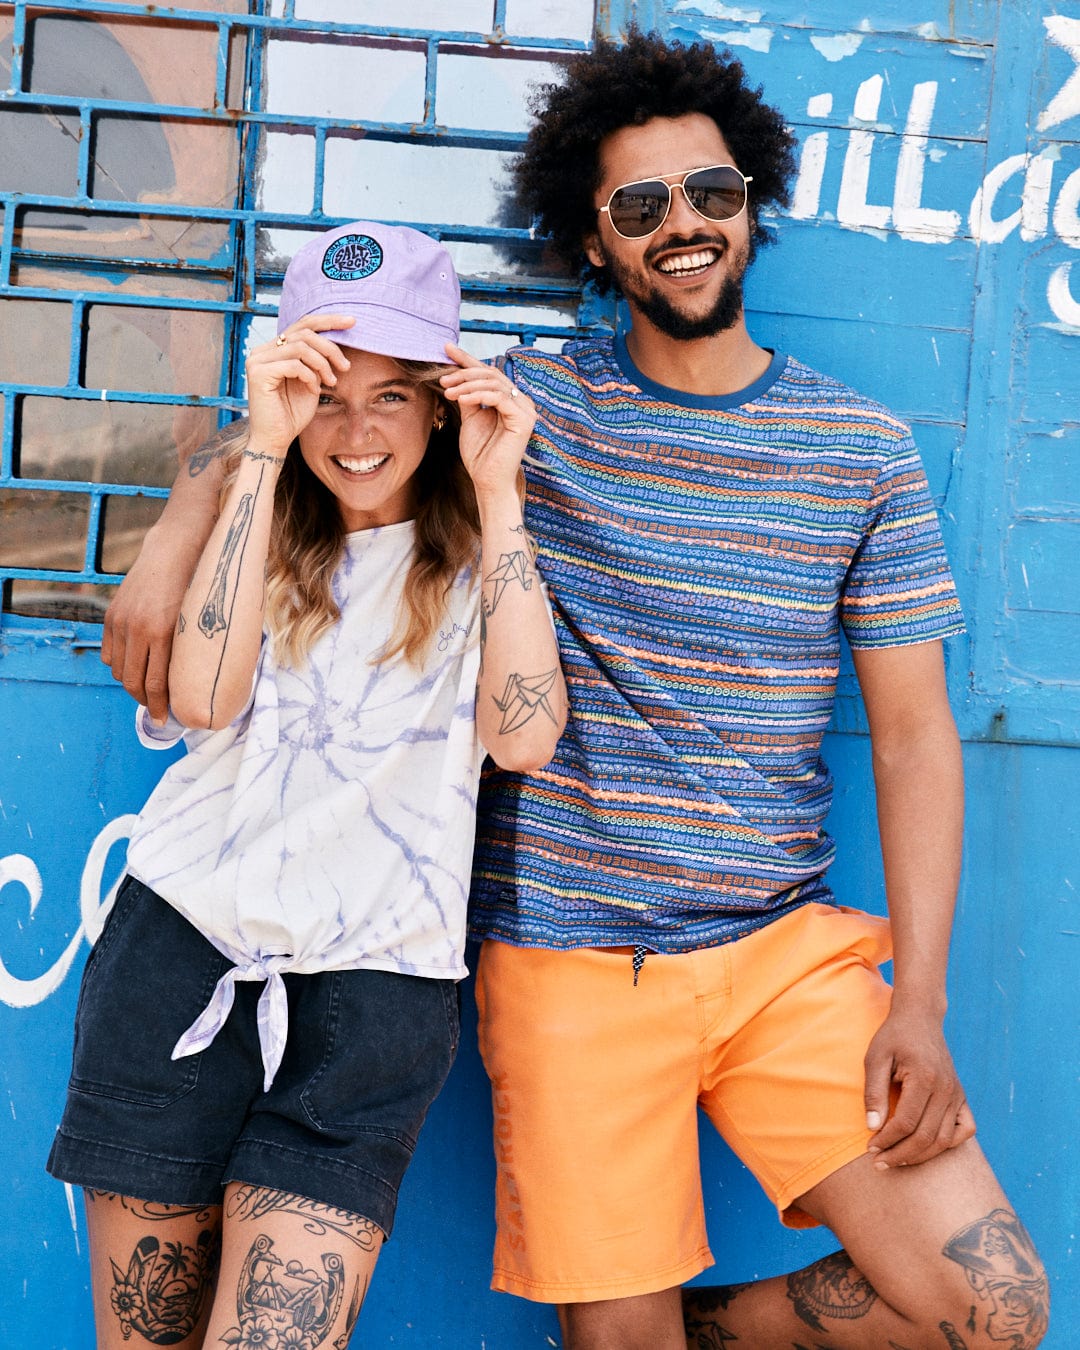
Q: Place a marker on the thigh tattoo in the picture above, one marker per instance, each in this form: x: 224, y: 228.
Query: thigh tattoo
x: 1004, y: 1270
x: 283, y: 1303
x: 255, y: 1202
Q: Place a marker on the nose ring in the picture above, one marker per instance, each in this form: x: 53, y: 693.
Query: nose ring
x: 370, y: 437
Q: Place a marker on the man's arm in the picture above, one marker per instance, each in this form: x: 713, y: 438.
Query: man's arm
x: 918, y: 776
x: 140, y: 622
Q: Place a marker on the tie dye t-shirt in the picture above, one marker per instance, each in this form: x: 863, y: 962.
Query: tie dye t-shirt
x: 702, y: 556
x: 330, y: 826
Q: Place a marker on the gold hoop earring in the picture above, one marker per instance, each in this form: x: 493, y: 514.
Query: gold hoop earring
x: 439, y: 422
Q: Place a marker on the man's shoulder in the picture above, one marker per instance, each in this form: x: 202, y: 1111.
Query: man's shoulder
x: 821, y: 396
x: 578, y: 360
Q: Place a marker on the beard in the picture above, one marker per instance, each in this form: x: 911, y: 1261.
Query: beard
x: 724, y: 313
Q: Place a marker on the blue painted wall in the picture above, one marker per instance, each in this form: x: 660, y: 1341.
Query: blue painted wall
x: 927, y: 258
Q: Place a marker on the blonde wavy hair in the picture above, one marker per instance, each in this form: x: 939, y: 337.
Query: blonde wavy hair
x: 308, y: 539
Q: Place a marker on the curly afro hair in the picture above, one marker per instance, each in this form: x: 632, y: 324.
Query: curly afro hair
x: 614, y: 86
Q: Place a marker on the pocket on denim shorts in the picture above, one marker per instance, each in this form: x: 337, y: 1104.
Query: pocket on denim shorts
x: 147, y: 978
x: 390, y: 1042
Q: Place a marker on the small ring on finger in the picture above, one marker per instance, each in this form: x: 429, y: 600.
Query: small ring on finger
x: 280, y: 339
x: 513, y: 391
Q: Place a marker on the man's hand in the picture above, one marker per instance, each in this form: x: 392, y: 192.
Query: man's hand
x: 911, y: 1086
x: 136, y: 641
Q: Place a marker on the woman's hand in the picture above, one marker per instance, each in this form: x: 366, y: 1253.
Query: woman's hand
x: 496, y: 422
x: 285, y: 377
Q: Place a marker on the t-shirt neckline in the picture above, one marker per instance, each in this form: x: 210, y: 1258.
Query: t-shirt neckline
x: 717, y: 402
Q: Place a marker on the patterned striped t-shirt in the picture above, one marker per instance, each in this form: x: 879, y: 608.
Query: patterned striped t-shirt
x: 702, y: 555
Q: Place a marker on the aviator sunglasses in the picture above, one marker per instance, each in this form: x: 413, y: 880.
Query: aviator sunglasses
x: 637, y: 210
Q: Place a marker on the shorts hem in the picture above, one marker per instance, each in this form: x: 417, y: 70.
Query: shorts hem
x: 625, y: 1286
x: 94, y: 1165
x: 839, y: 1156
x: 331, y: 1181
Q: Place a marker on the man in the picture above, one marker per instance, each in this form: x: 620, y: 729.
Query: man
x: 658, y: 931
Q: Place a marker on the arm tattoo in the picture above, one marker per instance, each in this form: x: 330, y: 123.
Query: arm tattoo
x: 212, y: 616
x: 217, y: 447
x: 523, y: 695
x: 1003, y: 1268
x: 513, y: 569
x: 831, y: 1287
x: 163, y: 1289
x: 281, y: 1302
x: 253, y: 1202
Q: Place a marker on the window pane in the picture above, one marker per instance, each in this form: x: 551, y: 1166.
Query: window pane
x: 35, y: 341
x: 354, y: 79
x: 142, y: 159
x: 84, y: 440
x: 39, y: 152
x: 43, y: 529
x: 134, y: 238
x: 124, y: 522
x: 175, y: 285
x: 91, y: 58
x: 81, y: 601
x: 160, y: 351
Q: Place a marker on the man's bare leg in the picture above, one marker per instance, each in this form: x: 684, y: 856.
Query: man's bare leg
x: 653, y: 1320
x: 934, y: 1259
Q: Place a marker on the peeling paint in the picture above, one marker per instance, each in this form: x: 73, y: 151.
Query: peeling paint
x: 837, y: 47
x: 756, y: 39
x: 717, y: 10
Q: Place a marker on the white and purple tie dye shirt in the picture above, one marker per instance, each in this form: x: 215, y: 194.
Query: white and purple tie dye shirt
x: 330, y: 826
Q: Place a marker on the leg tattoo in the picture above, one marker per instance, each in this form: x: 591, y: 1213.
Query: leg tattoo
x: 165, y: 1287
x: 253, y: 1202
x: 831, y: 1287
x: 1006, y: 1274
x: 703, y: 1330
x: 282, y: 1303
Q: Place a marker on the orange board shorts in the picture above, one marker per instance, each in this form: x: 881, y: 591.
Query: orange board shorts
x: 596, y: 1084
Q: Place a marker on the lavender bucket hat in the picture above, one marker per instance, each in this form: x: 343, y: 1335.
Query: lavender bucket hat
x: 398, y: 284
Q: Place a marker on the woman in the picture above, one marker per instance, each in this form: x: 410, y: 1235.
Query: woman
x: 272, y: 1005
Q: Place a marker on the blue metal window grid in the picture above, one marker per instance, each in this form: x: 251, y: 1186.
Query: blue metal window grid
x: 236, y: 262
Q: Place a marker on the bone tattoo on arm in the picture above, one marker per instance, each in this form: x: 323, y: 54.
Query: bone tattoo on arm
x: 212, y: 617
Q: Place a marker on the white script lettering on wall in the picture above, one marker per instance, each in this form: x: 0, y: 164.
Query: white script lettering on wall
x: 19, y: 870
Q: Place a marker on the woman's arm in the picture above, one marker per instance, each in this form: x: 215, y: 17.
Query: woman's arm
x: 520, y: 691
x: 219, y: 629
x: 136, y: 641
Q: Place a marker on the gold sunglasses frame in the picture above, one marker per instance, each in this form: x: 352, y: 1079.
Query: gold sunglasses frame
x: 681, y: 185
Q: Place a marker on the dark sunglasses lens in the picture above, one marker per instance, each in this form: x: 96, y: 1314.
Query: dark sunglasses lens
x: 638, y: 209
x: 718, y: 194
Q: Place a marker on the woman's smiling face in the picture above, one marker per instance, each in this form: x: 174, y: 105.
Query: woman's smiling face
x: 367, y: 439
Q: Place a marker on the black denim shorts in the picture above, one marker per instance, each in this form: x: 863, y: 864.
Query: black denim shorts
x: 367, y: 1052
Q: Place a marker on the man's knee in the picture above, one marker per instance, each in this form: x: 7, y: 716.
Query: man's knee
x: 1004, y: 1297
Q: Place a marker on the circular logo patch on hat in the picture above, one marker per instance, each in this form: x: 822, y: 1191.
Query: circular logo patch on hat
x: 352, y: 257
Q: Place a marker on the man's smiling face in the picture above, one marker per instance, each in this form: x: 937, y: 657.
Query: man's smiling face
x: 686, y: 279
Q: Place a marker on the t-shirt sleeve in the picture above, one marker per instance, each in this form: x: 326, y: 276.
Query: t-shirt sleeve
x: 899, y: 588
